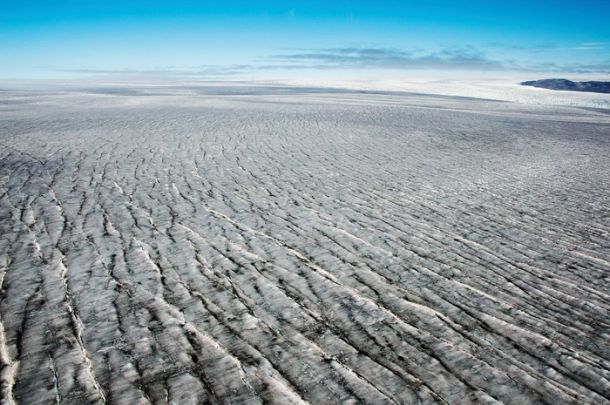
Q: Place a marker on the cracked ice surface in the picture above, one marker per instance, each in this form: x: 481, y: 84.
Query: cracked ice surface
x: 283, y: 245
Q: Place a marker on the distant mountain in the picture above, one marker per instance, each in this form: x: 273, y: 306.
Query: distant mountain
x: 565, y: 84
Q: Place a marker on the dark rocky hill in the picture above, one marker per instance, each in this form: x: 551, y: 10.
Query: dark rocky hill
x: 565, y: 84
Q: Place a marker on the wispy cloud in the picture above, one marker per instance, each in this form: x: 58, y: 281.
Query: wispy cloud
x: 389, y: 58
x: 463, y: 58
x: 167, y: 71
x: 458, y: 58
x: 552, y: 67
x: 590, y: 46
x: 547, y: 46
x: 540, y: 46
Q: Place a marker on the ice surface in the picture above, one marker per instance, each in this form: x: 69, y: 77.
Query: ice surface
x: 492, y: 88
x: 248, y: 244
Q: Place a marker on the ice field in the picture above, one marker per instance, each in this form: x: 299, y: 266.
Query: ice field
x: 253, y: 244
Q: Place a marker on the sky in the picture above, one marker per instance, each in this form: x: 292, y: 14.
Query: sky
x: 202, y: 39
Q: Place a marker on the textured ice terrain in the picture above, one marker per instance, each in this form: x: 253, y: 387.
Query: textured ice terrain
x: 280, y: 245
x: 493, y: 88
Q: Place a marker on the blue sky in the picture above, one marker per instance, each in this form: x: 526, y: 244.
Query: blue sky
x: 70, y: 38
